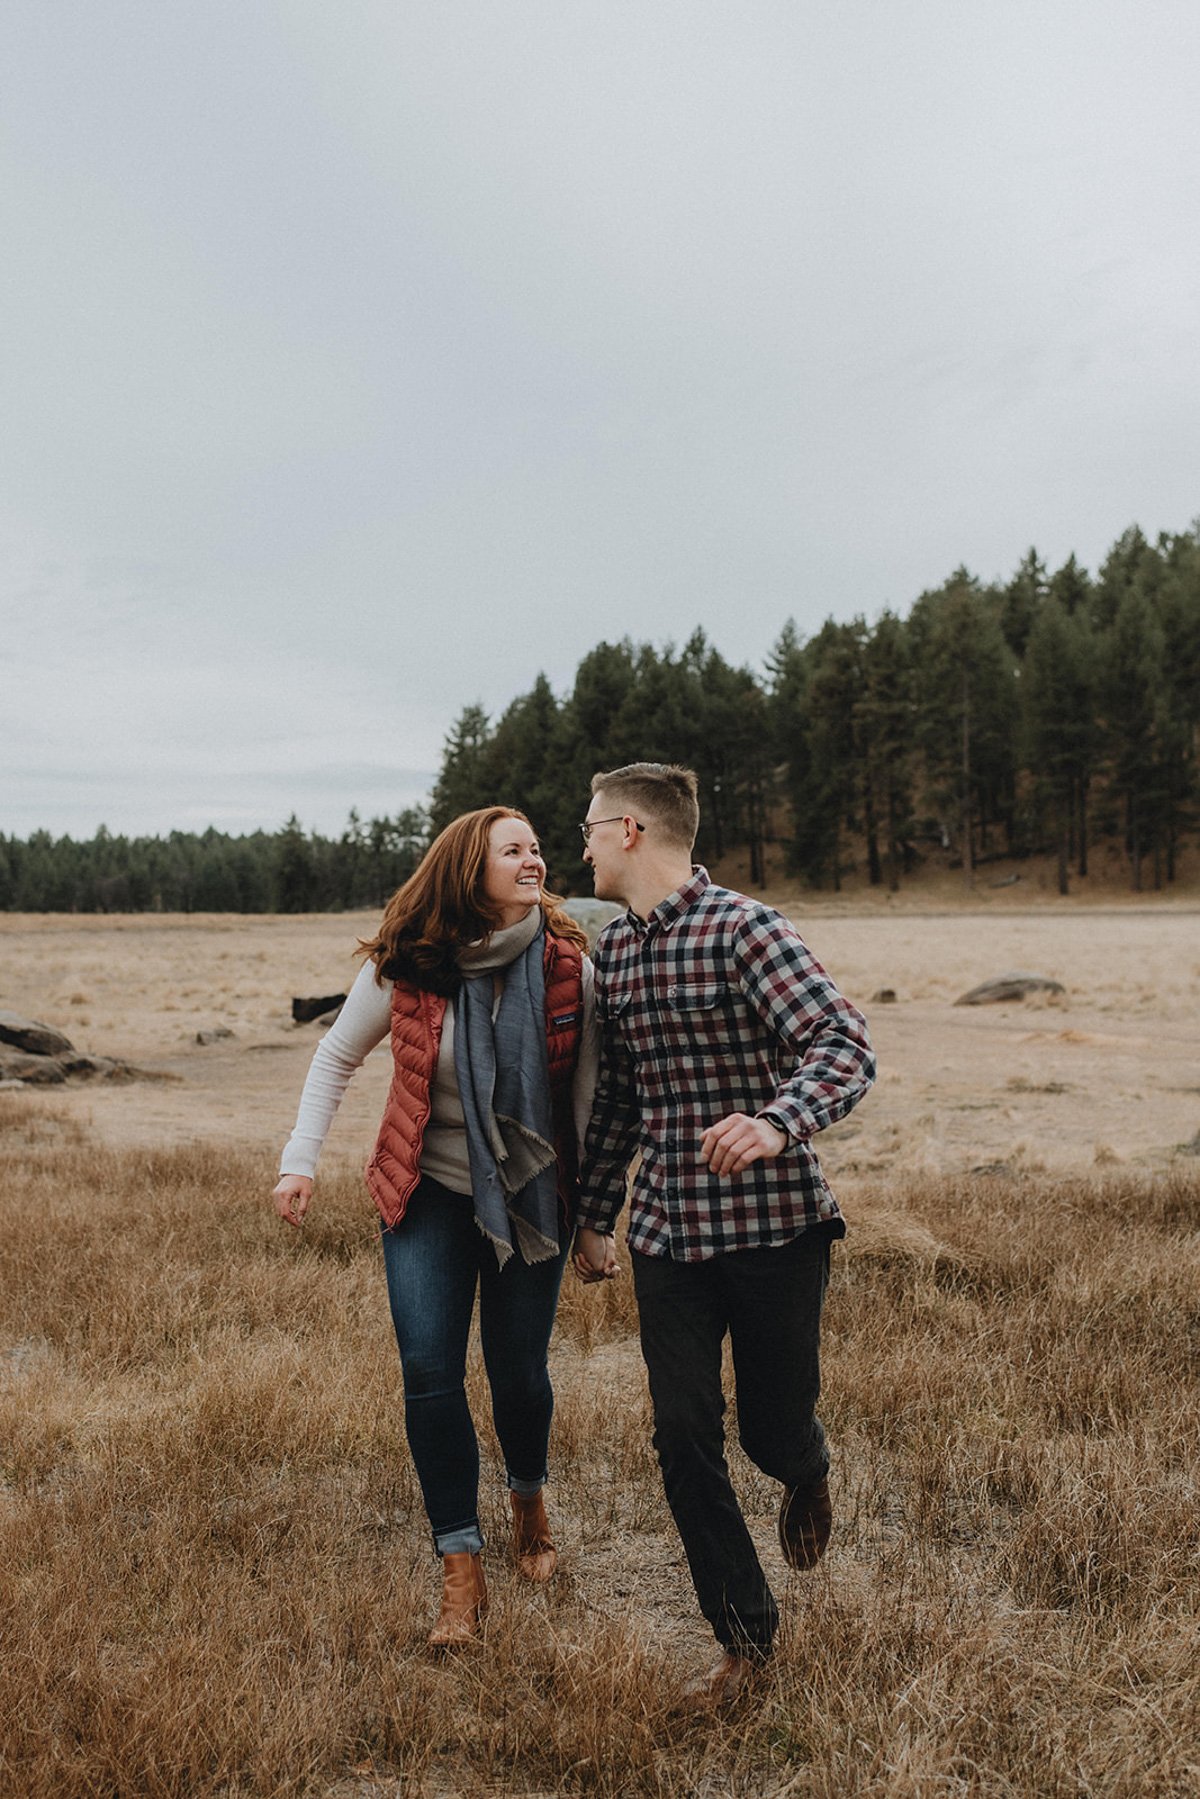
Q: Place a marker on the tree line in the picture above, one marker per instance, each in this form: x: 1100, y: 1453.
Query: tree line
x: 1039, y: 715
x: 289, y: 870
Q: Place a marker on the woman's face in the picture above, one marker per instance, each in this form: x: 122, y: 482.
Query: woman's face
x: 514, y: 870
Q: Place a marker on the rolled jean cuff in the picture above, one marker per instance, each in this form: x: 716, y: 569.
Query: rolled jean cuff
x: 525, y: 1488
x: 466, y: 1540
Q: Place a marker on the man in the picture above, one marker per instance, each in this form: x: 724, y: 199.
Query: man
x: 726, y: 1047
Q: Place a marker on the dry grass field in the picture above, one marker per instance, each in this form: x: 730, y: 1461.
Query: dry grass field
x: 214, y: 1578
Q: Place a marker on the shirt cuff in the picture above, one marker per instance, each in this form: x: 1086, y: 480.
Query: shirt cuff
x: 598, y: 1218
x: 300, y: 1156
x: 788, y: 1118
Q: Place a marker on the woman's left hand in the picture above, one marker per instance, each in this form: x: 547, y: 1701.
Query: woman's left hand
x: 292, y: 1197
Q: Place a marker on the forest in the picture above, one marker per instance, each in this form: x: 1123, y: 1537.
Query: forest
x: 1046, y: 715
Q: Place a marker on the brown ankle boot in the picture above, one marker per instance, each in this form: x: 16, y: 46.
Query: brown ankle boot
x: 726, y: 1681
x: 805, y: 1524
x: 533, y: 1546
x: 464, y: 1601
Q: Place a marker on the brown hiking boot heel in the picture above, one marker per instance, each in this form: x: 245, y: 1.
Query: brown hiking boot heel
x: 727, y: 1681
x: 464, y: 1602
x: 805, y: 1524
x: 533, y: 1546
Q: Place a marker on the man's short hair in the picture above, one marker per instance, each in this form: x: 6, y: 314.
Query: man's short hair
x: 662, y: 792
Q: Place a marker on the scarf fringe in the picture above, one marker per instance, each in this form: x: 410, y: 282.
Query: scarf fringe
x: 534, y: 1247
x: 539, y: 1154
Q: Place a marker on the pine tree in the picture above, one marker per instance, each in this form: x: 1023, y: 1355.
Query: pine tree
x: 833, y: 660
x: 1058, y: 721
x: 967, y: 707
x: 1178, y: 613
x: 1021, y: 601
x: 461, y: 785
x: 1133, y: 692
x: 296, y: 875
x: 884, y: 715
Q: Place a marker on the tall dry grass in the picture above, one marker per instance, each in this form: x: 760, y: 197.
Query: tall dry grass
x: 215, y: 1580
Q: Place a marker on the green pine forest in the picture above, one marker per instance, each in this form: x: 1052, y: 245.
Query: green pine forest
x: 1053, y: 715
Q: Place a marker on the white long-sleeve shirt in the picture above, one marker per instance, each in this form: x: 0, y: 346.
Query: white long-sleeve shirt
x: 362, y: 1024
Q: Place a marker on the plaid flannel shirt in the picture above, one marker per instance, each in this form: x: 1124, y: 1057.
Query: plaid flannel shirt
x: 714, y: 1005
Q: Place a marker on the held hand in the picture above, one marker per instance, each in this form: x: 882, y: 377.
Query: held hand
x: 595, y: 1256
x: 292, y: 1197
x: 738, y: 1140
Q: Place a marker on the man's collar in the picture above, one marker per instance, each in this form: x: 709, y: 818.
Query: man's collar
x: 668, y: 910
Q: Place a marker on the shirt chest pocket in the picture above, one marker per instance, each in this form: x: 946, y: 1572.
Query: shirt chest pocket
x: 612, y: 1007
x: 701, y: 1016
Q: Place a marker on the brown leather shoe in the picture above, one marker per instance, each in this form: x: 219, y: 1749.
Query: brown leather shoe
x: 533, y: 1546
x: 723, y: 1683
x: 805, y: 1524
x: 464, y: 1602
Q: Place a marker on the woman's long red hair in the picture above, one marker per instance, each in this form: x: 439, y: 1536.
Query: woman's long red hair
x: 442, y: 906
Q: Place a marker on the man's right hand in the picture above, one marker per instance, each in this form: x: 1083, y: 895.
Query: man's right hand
x: 292, y: 1197
x: 595, y: 1256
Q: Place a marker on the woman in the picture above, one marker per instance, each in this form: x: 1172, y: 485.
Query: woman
x: 483, y: 983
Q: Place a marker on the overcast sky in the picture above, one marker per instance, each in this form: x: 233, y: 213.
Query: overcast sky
x: 361, y: 360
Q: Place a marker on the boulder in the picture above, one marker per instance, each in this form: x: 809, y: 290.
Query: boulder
x: 34, y: 1038
x: 307, y: 1011
x: 116, y: 1070
x: 592, y: 914
x: 1008, y: 987
x: 88, y: 1068
x: 19, y: 1069
x: 38, y: 1071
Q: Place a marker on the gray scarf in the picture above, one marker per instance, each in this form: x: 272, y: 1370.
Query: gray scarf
x: 504, y: 1083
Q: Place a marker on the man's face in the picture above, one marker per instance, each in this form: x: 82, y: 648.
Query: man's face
x: 602, y: 851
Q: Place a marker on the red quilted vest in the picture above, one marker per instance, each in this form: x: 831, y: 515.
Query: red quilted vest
x: 395, y: 1165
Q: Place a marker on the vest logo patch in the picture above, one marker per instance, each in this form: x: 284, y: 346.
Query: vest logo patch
x: 564, y: 1018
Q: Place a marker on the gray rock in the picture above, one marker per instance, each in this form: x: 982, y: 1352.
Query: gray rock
x: 127, y: 1071
x: 593, y: 914
x: 884, y: 996
x: 220, y: 1033
x: 308, y: 1011
x: 37, y: 1071
x: 1008, y: 987
x: 34, y: 1038
x: 17, y: 1069
x: 89, y: 1068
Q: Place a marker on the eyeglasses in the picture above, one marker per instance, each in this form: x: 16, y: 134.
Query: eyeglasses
x: 591, y: 824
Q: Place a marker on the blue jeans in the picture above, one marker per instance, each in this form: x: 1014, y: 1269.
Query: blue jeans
x: 769, y: 1303
x: 435, y: 1257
